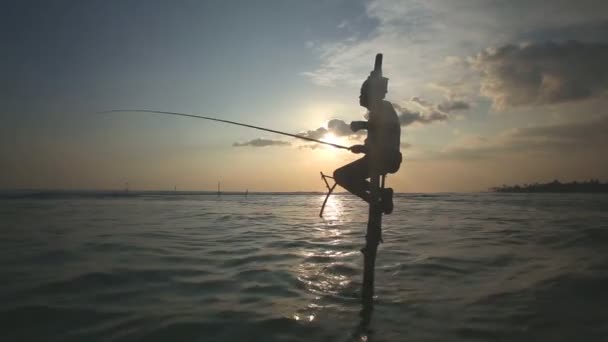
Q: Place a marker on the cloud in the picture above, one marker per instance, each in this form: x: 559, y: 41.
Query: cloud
x: 589, y: 136
x: 336, y: 127
x: 423, y: 43
x: 444, y: 107
x: 590, y: 133
x: 261, y: 142
x: 314, y: 134
x: 427, y: 116
x: 542, y: 73
x: 339, y: 128
x: 408, y: 117
x: 421, y: 102
x: 426, y: 113
x: 453, y: 105
x: 312, y: 146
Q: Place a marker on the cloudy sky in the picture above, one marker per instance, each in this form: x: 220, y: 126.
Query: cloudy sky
x: 488, y: 92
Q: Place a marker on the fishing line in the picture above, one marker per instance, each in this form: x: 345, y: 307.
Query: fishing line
x: 225, y: 121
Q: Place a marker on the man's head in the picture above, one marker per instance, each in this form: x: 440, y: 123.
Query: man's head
x: 373, y: 90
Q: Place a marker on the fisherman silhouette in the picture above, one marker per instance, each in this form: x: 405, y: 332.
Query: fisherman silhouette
x: 381, y: 147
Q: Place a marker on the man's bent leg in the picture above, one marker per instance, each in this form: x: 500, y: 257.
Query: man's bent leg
x: 352, y: 178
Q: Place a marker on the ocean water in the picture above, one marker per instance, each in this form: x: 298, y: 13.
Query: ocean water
x: 195, y: 267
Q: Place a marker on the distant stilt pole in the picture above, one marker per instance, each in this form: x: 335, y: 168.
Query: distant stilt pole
x: 218, y: 189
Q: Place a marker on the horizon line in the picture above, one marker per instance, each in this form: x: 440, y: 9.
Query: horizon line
x: 212, y: 192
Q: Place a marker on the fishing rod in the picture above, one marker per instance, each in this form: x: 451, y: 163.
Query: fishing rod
x: 225, y: 121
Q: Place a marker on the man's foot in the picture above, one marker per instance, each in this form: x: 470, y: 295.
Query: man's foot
x: 387, y: 200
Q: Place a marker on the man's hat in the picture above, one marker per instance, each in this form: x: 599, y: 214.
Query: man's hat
x: 375, y: 86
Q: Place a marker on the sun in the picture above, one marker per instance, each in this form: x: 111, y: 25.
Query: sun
x: 331, y: 138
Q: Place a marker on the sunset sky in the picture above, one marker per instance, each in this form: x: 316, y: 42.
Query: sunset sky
x: 488, y: 92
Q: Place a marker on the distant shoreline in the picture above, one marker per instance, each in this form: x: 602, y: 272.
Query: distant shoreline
x: 591, y: 186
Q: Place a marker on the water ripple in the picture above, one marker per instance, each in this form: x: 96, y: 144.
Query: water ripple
x: 158, y: 267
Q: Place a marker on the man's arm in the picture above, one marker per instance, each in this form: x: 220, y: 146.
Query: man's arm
x: 355, y: 126
x: 358, y: 149
x: 358, y: 125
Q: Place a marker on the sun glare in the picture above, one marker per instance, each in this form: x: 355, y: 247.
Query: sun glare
x: 331, y: 138
x: 330, y: 152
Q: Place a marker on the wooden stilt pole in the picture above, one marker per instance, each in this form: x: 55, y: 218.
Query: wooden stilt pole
x: 377, y: 86
x: 372, y: 239
x: 373, y: 88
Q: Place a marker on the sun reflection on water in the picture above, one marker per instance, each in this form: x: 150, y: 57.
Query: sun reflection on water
x: 334, y: 209
x: 326, y: 270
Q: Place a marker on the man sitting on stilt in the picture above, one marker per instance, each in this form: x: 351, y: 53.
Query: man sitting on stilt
x: 381, y: 148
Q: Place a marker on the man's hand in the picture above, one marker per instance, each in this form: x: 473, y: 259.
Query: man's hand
x: 358, y: 149
x: 357, y: 125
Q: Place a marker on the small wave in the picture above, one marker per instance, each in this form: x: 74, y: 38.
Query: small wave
x: 273, y: 290
x: 581, y: 237
x: 246, y: 328
x: 557, y: 306
x: 343, y: 269
x: 258, y: 258
x: 49, y: 321
x: 117, y: 279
